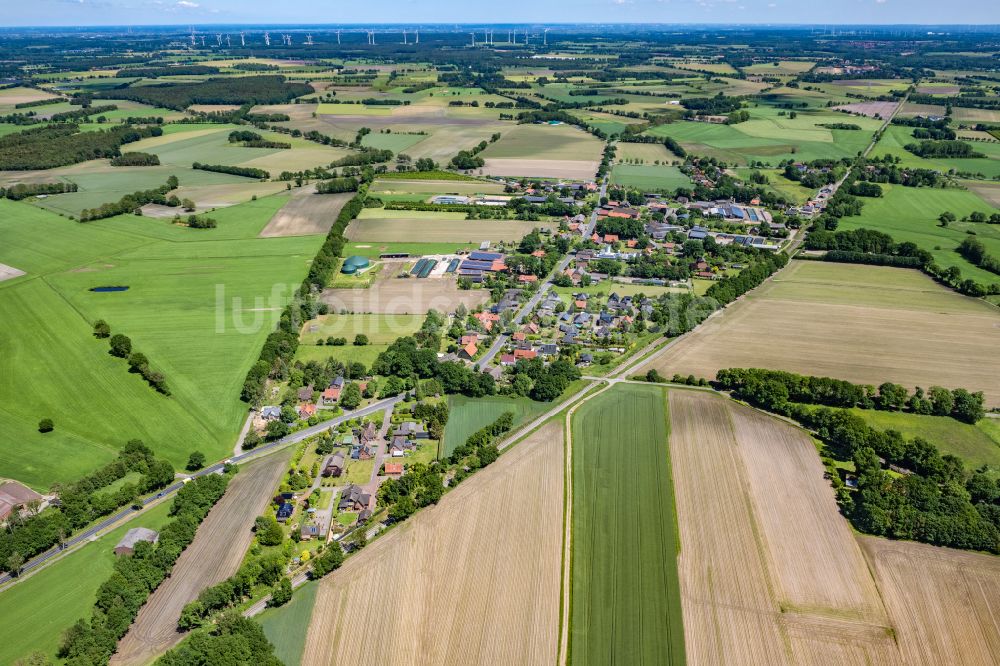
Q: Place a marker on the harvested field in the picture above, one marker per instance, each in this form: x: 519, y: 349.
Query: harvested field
x: 866, y: 324
x: 769, y: 571
x: 9, y: 272
x: 391, y: 295
x: 870, y: 109
x: 972, y: 115
x: 568, y: 169
x: 306, y: 213
x: 12, y: 96
x: 424, y: 230
x: 214, y: 555
x: 990, y: 192
x: 474, y: 580
x: 938, y: 90
x: 944, y: 603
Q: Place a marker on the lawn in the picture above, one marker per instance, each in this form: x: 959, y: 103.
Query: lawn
x: 649, y: 177
x: 198, y: 310
x: 910, y: 214
x: 467, y: 415
x: 286, y: 627
x: 976, y: 445
x: 36, y: 611
x: 625, y: 596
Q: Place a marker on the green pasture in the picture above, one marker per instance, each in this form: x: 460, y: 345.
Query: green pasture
x: 381, y: 329
x: 649, y: 177
x: 550, y: 142
x: 467, y: 415
x: 625, y: 596
x: 910, y: 214
x: 286, y: 626
x: 897, y: 136
x: 37, y: 611
x: 199, y: 310
x: 396, y: 142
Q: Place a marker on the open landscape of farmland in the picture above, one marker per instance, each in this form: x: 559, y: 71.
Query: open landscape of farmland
x: 406, y: 598
x: 625, y: 603
x: 895, y: 139
x: 406, y: 226
x: 392, y: 295
x: 769, y: 571
x: 860, y: 323
x: 542, y: 150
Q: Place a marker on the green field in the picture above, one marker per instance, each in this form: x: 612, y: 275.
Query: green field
x: 649, y: 177
x: 625, y: 597
x: 910, y: 214
x: 373, y: 249
x: 286, y: 627
x: 771, y: 137
x: 897, y: 136
x: 468, y: 415
x: 976, y: 445
x: 35, y: 612
x: 198, y: 308
x: 550, y: 142
x: 396, y: 142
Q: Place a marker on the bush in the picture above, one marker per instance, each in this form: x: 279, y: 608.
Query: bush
x: 101, y: 329
x: 46, y: 425
x: 195, y: 461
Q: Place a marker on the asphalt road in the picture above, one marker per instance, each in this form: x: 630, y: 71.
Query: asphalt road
x: 262, y: 450
x: 502, y: 339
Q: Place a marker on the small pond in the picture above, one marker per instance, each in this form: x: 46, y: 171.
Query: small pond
x: 103, y: 289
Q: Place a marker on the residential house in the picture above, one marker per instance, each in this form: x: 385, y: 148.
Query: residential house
x: 134, y: 536
x: 392, y: 469
x: 507, y: 359
x: 331, y: 395
x: 367, y: 433
x: 468, y: 352
x: 307, y: 410
x: 355, y: 498
x: 305, y: 393
x: 334, y: 465
x: 525, y: 354
x: 270, y: 413
x: 309, y: 531
x: 362, y: 452
x: 285, y: 511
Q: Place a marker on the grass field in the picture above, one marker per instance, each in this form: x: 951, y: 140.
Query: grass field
x: 286, y: 626
x: 199, y: 310
x: 36, y: 611
x: 471, y: 581
x: 396, y: 141
x: 551, y: 142
x: 770, y: 137
x: 758, y: 586
x: 467, y: 415
x: 896, y: 137
x: 910, y: 214
x: 649, y: 177
x: 976, y: 444
x: 381, y: 330
x: 860, y: 323
x: 625, y: 600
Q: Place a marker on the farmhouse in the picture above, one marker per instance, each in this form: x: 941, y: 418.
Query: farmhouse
x: 127, y: 545
x: 15, y: 497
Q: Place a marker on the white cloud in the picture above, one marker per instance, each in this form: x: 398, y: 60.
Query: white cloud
x: 187, y: 4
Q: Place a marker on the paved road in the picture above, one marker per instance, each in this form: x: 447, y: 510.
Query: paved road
x: 265, y: 449
x: 526, y: 309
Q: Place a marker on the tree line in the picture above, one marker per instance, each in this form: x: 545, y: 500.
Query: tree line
x: 25, y: 190
x: 60, y: 144
x: 133, y: 203
x: 135, y: 577
x: 266, y: 89
x: 246, y: 172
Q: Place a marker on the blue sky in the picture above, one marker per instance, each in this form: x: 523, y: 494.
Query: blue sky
x: 138, y: 12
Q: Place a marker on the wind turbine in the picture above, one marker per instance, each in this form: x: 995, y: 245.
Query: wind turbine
x: 309, y: 40
x: 203, y: 41
x: 218, y: 39
x: 473, y: 38
x: 267, y: 39
x: 243, y: 39
x: 229, y: 42
x: 404, y: 36
x: 338, y: 37
x: 545, y: 37
x: 192, y: 36
x: 417, y: 36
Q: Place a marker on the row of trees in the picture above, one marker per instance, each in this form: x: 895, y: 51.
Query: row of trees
x: 268, y: 89
x: 136, y: 577
x: 121, y: 346
x: 246, y: 172
x: 775, y: 389
x: 136, y: 159
x: 82, y: 502
x: 133, y: 203
x: 25, y: 190
x: 976, y: 253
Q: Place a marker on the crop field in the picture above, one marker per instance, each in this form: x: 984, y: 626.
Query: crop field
x: 866, y: 324
x: 770, y: 137
x: 306, y: 213
x: 911, y: 214
x: 415, y: 250
x: 468, y: 415
x: 896, y: 137
x: 988, y: 192
x: 970, y: 115
x: 425, y: 189
x: 404, y: 600
x: 780, y: 68
x: 17, y: 95
x: 216, y: 552
x: 36, y: 611
x: 224, y: 297
x: 286, y: 626
x: 625, y: 600
x: 397, y: 142
x: 392, y: 295
x: 942, y: 602
x: 756, y: 587
x: 871, y: 109
x: 547, y: 151
x: 649, y: 177
x: 435, y: 228
x: 977, y: 445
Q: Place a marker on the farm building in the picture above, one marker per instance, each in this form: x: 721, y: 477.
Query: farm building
x: 354, y: 264
x: 127, y: 545
x: 15, y: 496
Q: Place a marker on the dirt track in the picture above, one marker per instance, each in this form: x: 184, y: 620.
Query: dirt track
x: 214, y: 555
x: 306, y: 213
x: 474, y: 580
